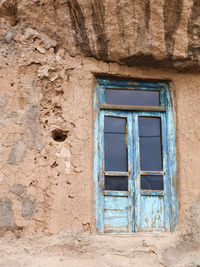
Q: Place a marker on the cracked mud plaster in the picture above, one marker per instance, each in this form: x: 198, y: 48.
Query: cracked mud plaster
x: 60, y: 175
x: 54, y: 90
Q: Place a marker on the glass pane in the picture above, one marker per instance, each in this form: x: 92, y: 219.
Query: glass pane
x: 132, y: 97
x: 115, y: 144
x: 116, y: 183
x: 115, y: 124
x: 152, y: 182
x: 150, y: 144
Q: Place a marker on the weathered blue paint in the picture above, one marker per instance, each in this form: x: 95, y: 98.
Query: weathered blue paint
x: 172, y: 166
x: 116, y: 193
x: 166, y: 176
x: 135, y: 210
x: 129, y: 83
x: 116, y: 213
x: 152, y: 193
x: 152, y: 213
x: 96, y: 152
x: 115, y: 203
x: 115, y: 224
x: 112, y: 173
x: 131, y: 186
x: 136, y: 166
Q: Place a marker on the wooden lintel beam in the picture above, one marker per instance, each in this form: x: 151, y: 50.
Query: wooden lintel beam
x: 132, y: 107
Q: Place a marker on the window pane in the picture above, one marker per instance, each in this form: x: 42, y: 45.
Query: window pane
x: 116, y: 183
x: 132, y: 97
x: 152, y: 182
x: 115, y: 144
x: 114, y: 124
x: 150, y: 144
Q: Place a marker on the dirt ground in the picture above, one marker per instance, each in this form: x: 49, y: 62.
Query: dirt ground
x: 83, y: 249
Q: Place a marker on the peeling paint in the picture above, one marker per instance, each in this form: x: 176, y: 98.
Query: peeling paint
x: 150, y: 209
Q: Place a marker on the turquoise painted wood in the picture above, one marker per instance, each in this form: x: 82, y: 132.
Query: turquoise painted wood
x: 152, y: 213
x: 135, y: 210
x: 115, y: 203
x: 116, y: 225
x: 115, y: 214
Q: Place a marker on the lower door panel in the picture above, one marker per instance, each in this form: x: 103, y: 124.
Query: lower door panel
x: 151, y: 215
x: 115, y: 214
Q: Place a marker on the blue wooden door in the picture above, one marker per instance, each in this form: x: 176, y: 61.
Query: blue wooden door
x: 135, y: 157
x: 132, y: 176
x: 152, y: 203
x: 116, y: 185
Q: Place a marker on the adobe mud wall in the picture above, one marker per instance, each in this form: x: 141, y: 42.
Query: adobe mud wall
x: 49, y: 53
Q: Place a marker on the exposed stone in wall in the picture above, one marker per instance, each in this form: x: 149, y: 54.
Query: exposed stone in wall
x: 17, y: 189
x: 193, y: 218
x: 6, y: 215
x: 29, y: 208
x: 17, y: 153
x: 33, y: 132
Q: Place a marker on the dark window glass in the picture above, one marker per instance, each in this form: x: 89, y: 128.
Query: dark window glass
x: 116, y: 183
x: 152, y: 182
x: 132, y: 97
x: 150, y: 144
x: 115, y: 144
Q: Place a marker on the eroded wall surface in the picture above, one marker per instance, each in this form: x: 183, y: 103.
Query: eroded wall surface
x: 49, y: 52
x: 159, y: 33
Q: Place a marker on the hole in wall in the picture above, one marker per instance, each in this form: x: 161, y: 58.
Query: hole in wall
x: 59, y: 135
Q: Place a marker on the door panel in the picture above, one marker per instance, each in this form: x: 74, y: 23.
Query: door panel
x: 142, y: 150
x: 152, y: 213
x: 115, y: 214
x: 115, y: 172
x: 151, y: 176
x: 115, y: 225
x: 115, y: 203
x: 132, y: 192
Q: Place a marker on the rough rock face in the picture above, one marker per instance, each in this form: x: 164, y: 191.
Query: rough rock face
x: 156, y: 33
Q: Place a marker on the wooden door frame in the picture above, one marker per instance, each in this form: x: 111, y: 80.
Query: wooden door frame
x: 171, y: 166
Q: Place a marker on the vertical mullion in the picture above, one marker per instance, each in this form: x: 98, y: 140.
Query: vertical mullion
x: 163, y: 97
x: 136, y: 167
x: 131, y: 187
x: 102, y: 95
x: 100, y: 173
x: 166, y: 175
x: 172, y: 165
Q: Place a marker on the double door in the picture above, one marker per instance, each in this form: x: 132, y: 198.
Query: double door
x: 133, y: 182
